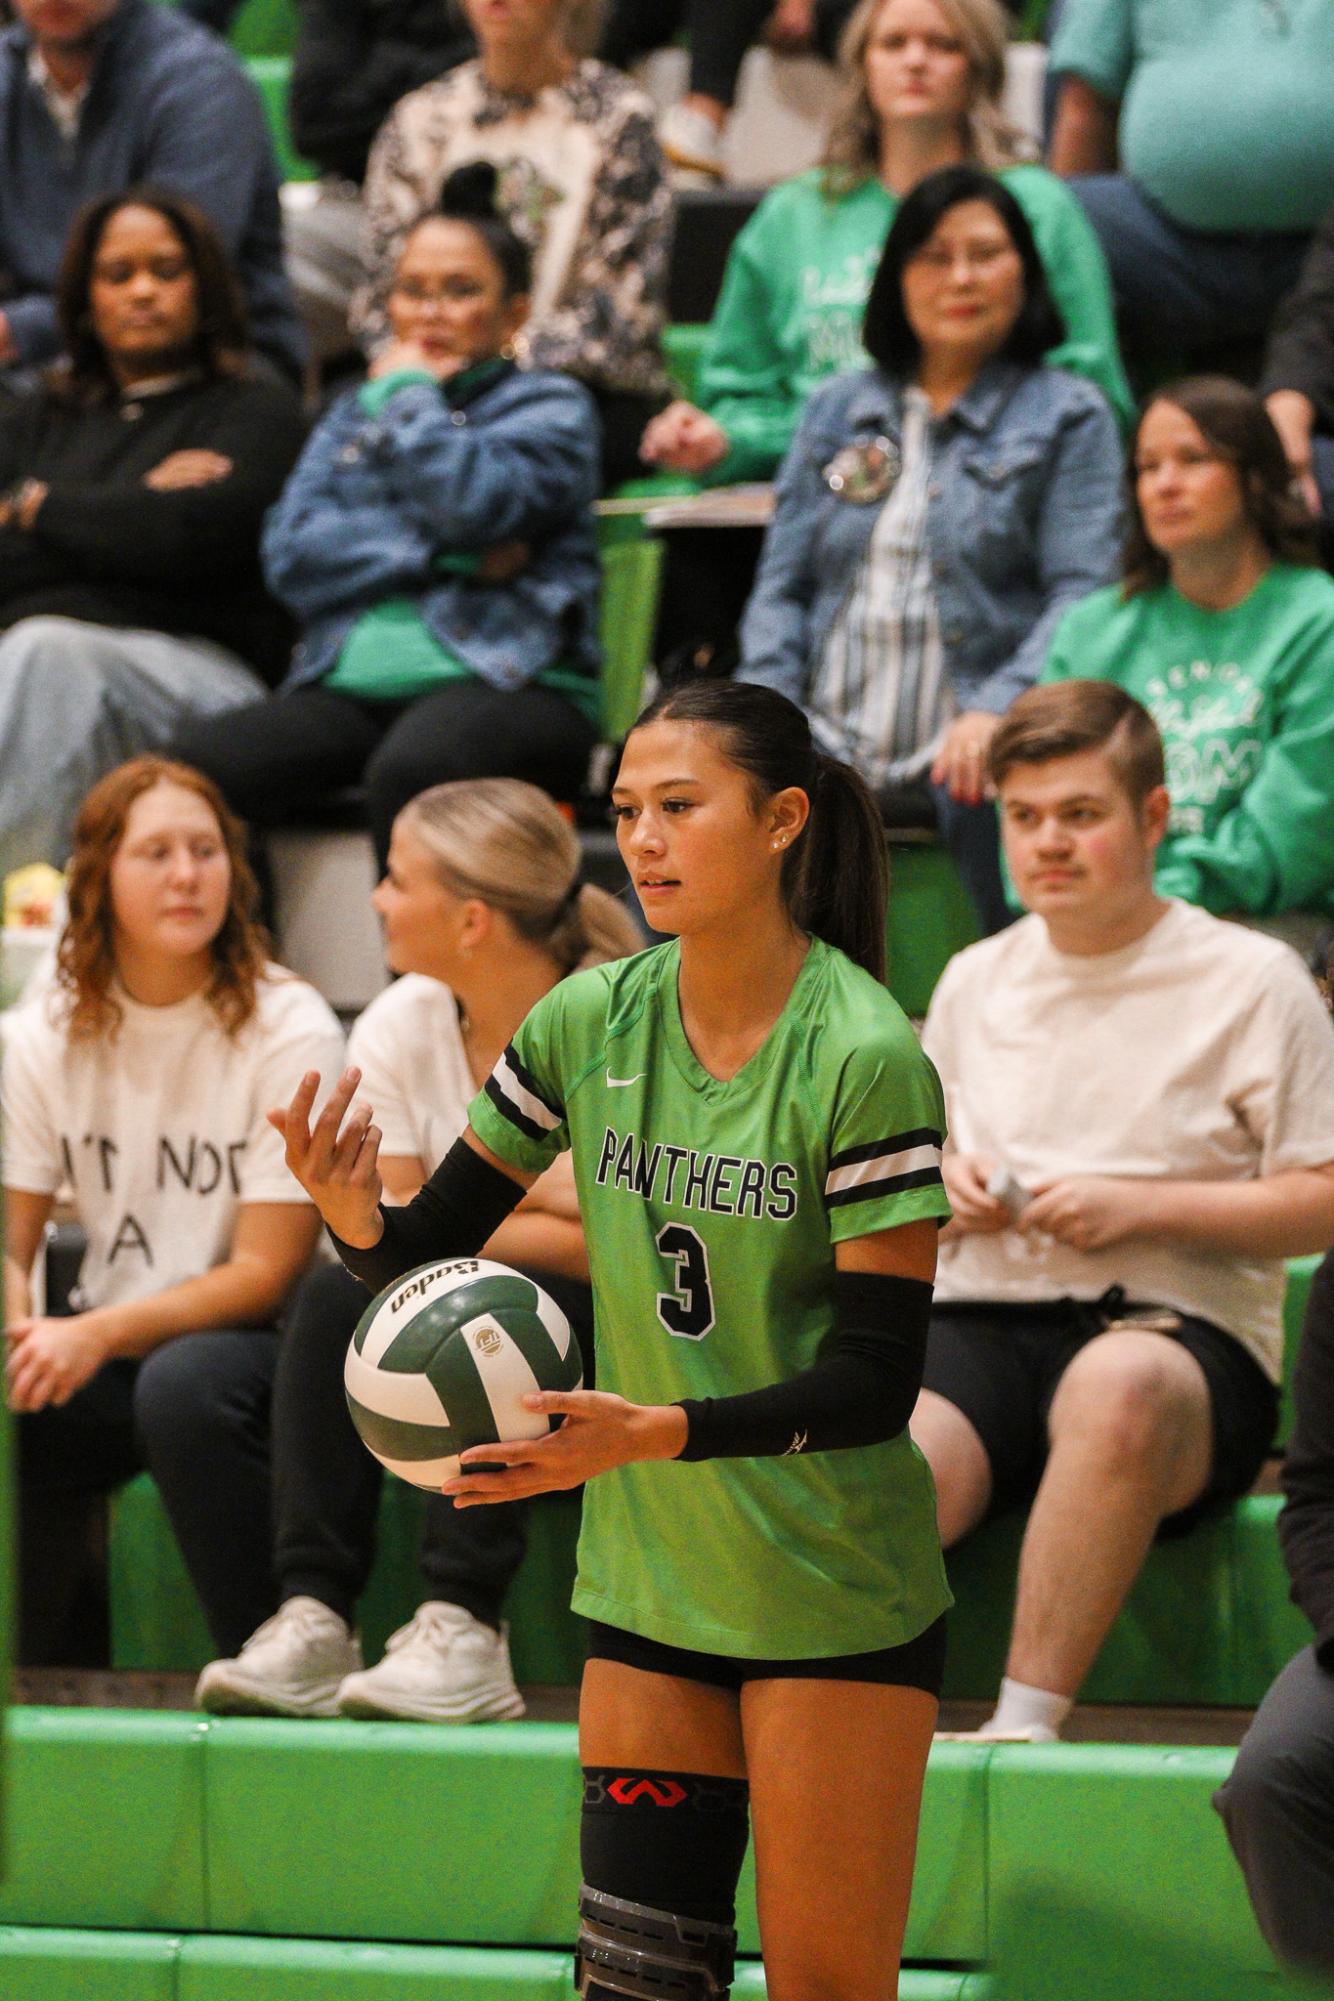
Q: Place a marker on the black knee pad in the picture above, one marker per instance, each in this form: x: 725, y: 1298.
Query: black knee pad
x: 672, y: 1840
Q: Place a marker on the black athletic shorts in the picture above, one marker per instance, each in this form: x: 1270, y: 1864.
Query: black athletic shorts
x: 1001, y: 1364
x: 919, y: 1663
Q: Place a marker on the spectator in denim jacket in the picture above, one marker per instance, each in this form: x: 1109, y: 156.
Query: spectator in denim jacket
x: 935, y: 516
x: 436, y: 543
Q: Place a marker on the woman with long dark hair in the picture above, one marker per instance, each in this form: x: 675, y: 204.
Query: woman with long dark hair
x: 140, y: 1078
x: 1223, y: 626
x: 936, y: 514
x: 132, y: 488
x: 756, y: 1142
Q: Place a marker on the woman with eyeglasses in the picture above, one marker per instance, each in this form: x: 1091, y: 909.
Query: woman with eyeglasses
x: 936, y: 515
x: 436, y: 544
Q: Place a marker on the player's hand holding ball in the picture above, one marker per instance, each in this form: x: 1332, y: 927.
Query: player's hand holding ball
x: 598, y: 1431
x: 337, y: 1159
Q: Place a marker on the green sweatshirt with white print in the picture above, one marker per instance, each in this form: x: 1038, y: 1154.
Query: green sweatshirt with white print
x: 794, y: 295
x: 1244, y: 699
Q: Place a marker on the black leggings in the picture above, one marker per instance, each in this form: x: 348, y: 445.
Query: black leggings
x: 275, y: 757
x: 196, y: 1413
x: 326, y: 1485
x: 720, y: 32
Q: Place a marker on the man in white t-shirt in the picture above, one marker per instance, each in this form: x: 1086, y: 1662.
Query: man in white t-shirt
x: 1141, y: 1109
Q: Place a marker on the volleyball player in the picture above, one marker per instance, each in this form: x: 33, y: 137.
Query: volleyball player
x: 756, y: 1140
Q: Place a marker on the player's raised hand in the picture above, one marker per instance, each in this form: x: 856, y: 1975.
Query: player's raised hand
x: 336, y: 1160
x: 600, y: 1431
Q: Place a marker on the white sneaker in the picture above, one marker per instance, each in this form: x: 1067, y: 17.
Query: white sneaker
x: 444, y: 1666
x: 1028, y: 1733
x: 693, y: 146
x: 292, y: 1665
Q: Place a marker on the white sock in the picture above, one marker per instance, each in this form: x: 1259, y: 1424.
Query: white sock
x: 1037, y: 1711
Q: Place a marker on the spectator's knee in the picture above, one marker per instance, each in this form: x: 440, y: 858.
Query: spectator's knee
x: 1266, y: 1788
x: 177, y: 1405
x: 44, y: 645
x: 1131, y: 1398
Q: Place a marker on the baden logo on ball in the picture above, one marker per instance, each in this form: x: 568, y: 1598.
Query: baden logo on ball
x: 442, y: 1358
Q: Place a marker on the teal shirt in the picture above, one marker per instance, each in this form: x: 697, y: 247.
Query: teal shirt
x: 1225, y: 104
x: 712, y: 1210
x: 794, y: 296
x: 1244, y: 699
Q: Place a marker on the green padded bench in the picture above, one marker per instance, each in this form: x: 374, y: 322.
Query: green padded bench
x: 156, y: 1621
x: 101, y: 1966
x: 1243, y: 1628
x: 268, y: 1828
x: 1209, y: 1621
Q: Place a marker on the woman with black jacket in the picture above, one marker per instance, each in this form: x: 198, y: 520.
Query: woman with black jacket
x: 133, y: 485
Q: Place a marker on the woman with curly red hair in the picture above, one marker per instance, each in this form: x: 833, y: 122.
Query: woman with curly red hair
x: 138, y: 1079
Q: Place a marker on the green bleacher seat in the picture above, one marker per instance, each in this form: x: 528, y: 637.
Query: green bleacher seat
x: 264, y: 28
x: 62, y: 1965
x: 930, y: 919
x: 156, y: 1621
x: 271, y: 76
x: 1126, y: 1831
x: 631, y: 580
x: 1241, y: 1629
x: 38, y: 1965
x: 1301, y: 1271
x: 344, y: 1860
x: 383, y: 1832
x: 107, y: 1825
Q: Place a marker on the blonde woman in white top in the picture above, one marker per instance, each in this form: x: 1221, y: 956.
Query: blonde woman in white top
x: 483, y: 913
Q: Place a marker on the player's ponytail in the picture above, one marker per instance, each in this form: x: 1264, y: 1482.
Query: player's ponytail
x: 504, y: 842
x: 836, y: 875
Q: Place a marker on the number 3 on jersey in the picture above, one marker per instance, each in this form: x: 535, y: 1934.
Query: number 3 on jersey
x: 687, y: 1310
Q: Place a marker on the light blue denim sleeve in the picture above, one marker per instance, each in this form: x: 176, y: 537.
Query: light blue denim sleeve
x: 1078, y: 538
x: 776, y: 629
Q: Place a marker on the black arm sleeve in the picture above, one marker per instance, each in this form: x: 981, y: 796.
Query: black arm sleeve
x: 1306, y: 1525
x: 451, y: 1216
x: 860, y: 1391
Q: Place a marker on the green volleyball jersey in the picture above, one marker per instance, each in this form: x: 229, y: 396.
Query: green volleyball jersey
x: 712, y: 1211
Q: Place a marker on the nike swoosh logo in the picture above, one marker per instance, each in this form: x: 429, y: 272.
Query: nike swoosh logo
x: 619, y: 1083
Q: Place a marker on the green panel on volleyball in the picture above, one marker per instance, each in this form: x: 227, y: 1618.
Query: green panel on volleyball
x: 496, y: 1298
x: 396, y: 1438
x: 442, y: 1359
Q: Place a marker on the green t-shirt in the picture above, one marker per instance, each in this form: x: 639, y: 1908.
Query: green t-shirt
x: 1224, y: 103
x: 1245, y: 702
x: 711, y: 1212
x: 794, y: 296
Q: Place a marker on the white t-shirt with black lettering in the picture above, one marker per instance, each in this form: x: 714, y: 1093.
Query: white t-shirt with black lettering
x: 160, y: 1128
x: 1200, y: 1053
x: 408, y: 1045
